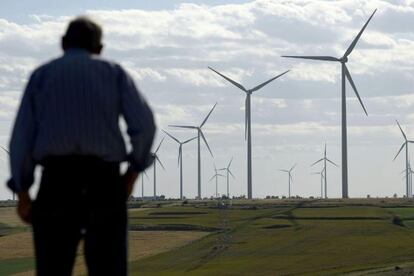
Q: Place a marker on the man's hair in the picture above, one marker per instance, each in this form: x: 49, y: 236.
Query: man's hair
x: 83, y: 33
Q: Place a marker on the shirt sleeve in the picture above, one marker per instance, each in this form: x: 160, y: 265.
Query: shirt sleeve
x: 22, y: 141
x: 140, y: 123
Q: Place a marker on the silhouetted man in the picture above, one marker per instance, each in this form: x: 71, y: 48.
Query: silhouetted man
x: 68, y: 122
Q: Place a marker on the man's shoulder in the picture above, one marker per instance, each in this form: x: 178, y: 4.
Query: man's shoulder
x: 93, y: 59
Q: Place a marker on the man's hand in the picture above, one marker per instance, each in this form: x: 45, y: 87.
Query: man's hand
x: 130, y: 177
x: 24, y: 207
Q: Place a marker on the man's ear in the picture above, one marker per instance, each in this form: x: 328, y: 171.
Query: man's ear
x: 63, y: 43
x: 98, y: 50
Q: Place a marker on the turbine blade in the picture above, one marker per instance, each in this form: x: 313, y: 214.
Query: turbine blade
x: 180, y: 152
x: 348, y: 76
x: 232, y: 174
x: 221, y: 175
x: 159, y: 161
x: 205, y: 141
x: 5, y: 150
x: 326, y: 58
x: 331, y: 162
x: 172, y: 137
x: 399, y: 151
x: 317, y: 162
x: 208, y: 115
x: 284, y: 171
x: 293, y: 167
x: 192, y: 127
x: 266, y: 82
x: 189, y: 140
x: 245, y: 118
x: 231, y: 160
x: 354, y: 42
x: 162, y: 140
x: 316, y: 173
x: 212, y: 178
x: 405, y: 137
x: 222, y: 169
x: 145, y: 173
x: 238, y: 85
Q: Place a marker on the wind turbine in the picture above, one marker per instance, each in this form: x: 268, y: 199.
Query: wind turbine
x: 410, y: 178
x: 324, y: 159
x: 142, y: 183
x: 14, y: 194
x: 247, y: 122
x: 216, y: 176
x: 321, y: 173
x: 345, y: 75
x: 199, y: 134
x: 290, y: 178
x: 157, y: 159
x: 228, y: 173
x: 180, y: 159
x: 405, y: 144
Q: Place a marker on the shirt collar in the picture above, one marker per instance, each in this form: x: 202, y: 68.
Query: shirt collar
x: 76, y: 51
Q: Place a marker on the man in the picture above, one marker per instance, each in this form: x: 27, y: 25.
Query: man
x: 68, y: 122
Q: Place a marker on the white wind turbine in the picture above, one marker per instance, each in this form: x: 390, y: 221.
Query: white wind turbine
x: 228, y: 173
x: 290, y: 178
x: 199, y: 134
x: 407, y: 165
x: 410, y: 178
x: 216, y: 176
x: 247, y: 133
x: 321, y: 173
x: 345, y: 75
x: 325, y: 159
x: 180, y: 158
x: 157, y: 159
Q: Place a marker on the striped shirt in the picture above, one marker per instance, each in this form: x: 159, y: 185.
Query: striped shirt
x: 72, y: 106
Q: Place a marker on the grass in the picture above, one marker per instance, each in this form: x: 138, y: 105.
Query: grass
x: 323, y: 239
x: 275, y: 237
x: 13, y: 266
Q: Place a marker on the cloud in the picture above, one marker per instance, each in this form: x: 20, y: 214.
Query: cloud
x: 167, y: 52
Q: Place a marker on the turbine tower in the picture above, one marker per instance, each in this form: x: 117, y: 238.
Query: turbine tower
x: 216, y: 176
x: 407, y: 165
x: 180, y: 158
x: 345, y: 75
x: 14, y: 195
x: 228, y: 173
x: 290, y: 178
x: 247, y: 133
x: 157, y: 159
x: 321, y: 173
x: 324, y: 159
x: 199, y: 134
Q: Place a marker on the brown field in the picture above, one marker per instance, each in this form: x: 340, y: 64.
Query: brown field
x: 141, y: 244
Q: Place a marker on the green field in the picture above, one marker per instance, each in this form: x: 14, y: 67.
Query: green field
x: 272, y: 237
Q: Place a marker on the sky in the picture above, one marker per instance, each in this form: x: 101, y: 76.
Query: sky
x: 167, y: 46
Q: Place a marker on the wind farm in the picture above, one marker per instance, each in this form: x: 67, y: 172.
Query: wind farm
x: 290, y: 177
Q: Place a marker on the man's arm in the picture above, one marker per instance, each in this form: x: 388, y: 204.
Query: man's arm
x: 140, y: 127
x: 21, y: 147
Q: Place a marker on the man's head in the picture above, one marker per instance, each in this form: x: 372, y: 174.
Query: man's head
x: 83, y: 33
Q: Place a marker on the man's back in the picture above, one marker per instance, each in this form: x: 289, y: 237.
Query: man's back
x: 77, y: 102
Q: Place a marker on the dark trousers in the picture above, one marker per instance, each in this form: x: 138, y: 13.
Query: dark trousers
x: 80, y: 198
